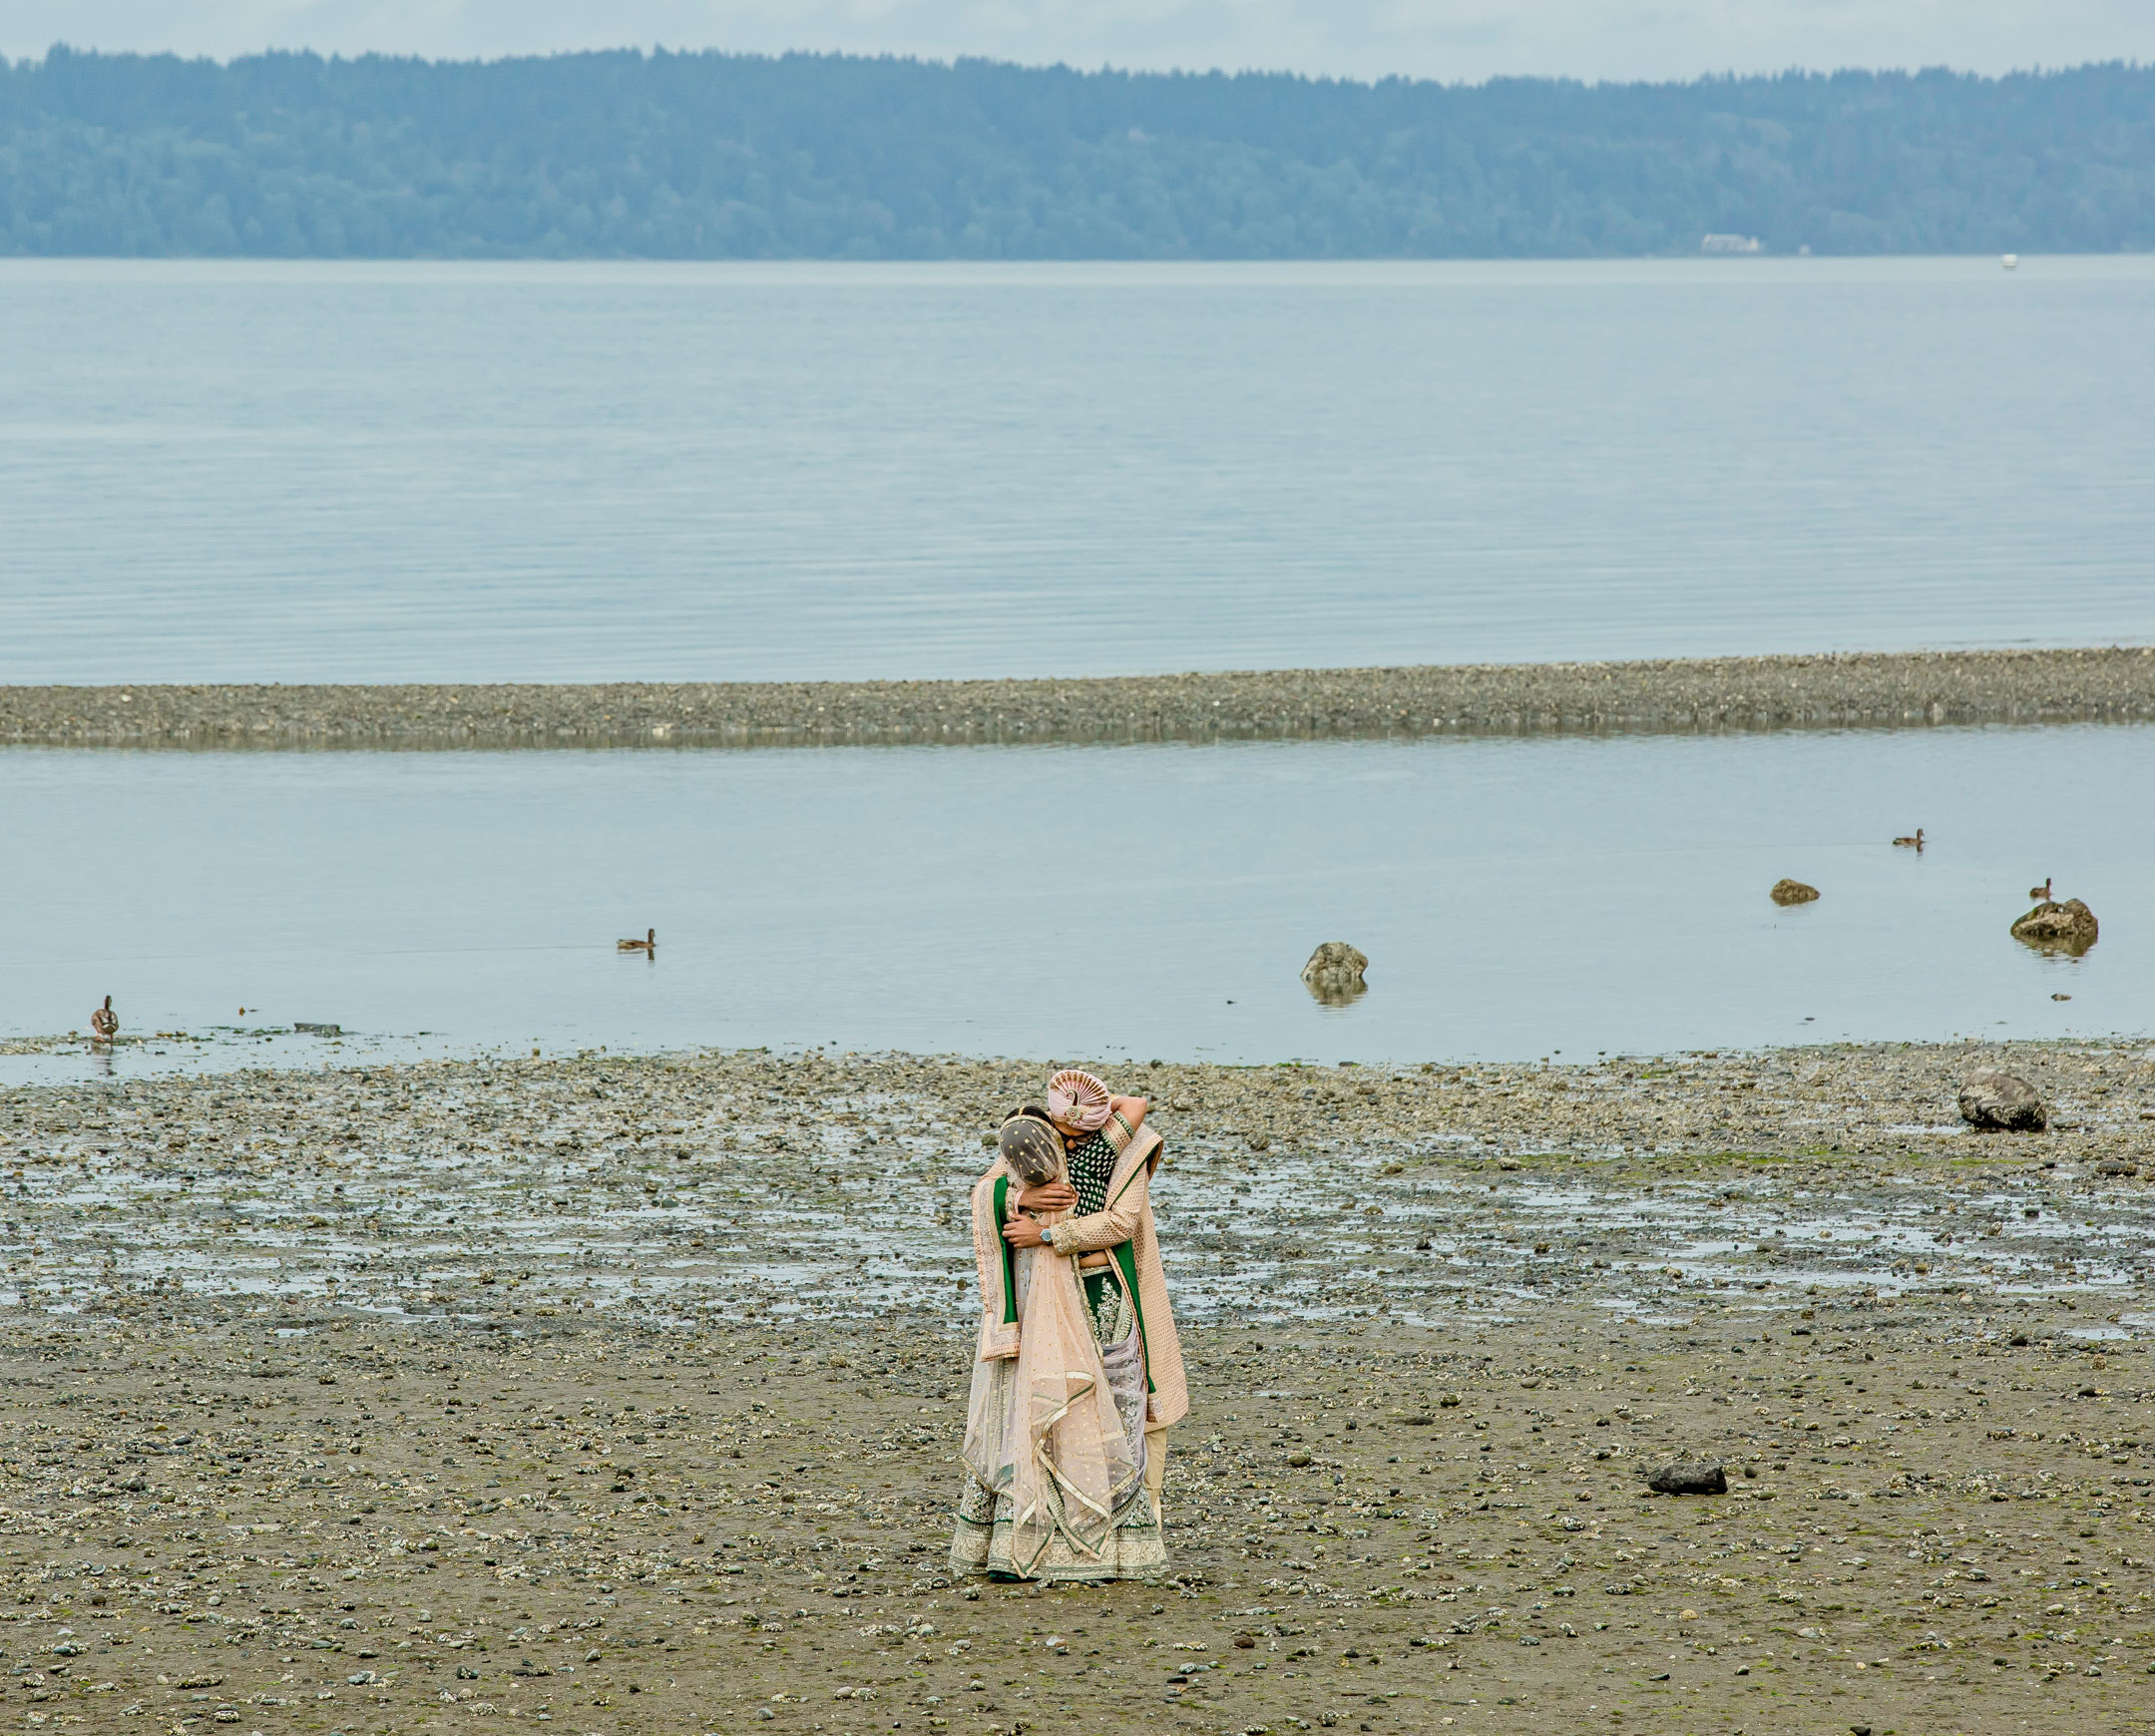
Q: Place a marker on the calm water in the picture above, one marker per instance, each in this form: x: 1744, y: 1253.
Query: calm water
x: 1515, y: 897
x: 456, y: 472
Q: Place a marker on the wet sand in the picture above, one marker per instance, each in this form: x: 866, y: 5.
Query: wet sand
x: 1825, y: 691
x: 626, y: 1390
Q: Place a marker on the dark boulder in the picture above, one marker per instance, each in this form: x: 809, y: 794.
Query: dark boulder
x: 2064, y: 928
x: 2002, y: 1103
x: 1683, y: 1476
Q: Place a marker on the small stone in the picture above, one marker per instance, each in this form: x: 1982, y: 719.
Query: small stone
x: 1997, y: 1101
x: 1298, y: 1460
x: 1792, y: 892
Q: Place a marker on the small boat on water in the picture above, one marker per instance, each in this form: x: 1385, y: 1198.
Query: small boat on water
x: 2012, y: 261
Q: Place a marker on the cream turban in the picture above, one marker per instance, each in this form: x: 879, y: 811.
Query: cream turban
x: 1078, y: 1100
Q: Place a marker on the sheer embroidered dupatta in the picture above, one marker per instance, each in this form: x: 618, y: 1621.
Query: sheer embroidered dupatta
x: 1041, y: 1426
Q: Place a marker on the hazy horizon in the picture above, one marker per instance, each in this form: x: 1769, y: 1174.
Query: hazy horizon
x: 1467, y: 41
x: 948, y: 59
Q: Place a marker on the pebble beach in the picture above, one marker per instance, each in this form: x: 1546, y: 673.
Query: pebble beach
x: 1856, y: 690
x: 624, y: 1394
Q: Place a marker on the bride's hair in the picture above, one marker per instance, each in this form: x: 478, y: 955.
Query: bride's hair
x: 1031, y: 1147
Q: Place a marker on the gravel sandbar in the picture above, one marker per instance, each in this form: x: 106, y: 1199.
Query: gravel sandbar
x: 1828, y: 692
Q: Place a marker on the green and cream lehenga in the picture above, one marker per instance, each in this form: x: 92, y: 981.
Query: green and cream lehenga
x: 1055, y: 1485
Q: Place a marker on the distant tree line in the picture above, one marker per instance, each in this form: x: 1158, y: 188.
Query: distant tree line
x: 716, y: 156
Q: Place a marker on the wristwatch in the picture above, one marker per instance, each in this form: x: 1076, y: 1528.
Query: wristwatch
x: 1047, y: 1236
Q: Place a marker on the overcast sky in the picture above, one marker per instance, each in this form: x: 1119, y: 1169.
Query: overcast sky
x: 1445, y: 39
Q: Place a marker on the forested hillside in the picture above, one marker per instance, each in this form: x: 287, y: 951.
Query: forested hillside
x: 711, y: 155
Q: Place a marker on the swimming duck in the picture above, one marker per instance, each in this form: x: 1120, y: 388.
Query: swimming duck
x: 104, y: 1022
x: 2041, y: 894
x: 1915, y: 843
x: 648, y: 944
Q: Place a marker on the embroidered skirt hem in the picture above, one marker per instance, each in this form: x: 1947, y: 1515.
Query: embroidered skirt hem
x: 980, y: 1543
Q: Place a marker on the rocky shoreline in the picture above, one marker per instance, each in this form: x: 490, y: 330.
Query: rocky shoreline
x: 2116, y: 684
x: 625, y: 1392
x: 657, y: 1167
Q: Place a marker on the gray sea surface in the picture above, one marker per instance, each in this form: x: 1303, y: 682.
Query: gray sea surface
x: 1516, y: 897
x: 571, y: 472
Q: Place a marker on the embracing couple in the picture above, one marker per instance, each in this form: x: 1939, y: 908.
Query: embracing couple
x: 1079, y: 1374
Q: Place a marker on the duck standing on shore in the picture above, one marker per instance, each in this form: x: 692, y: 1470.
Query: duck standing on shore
x: 104, y: 1022
x: 648, y: 946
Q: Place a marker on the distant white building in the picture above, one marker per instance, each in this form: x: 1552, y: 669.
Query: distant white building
x: 1730, y: 245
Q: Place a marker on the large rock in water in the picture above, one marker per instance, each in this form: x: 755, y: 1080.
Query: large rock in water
x: 2002, y: 1103
x: 1792, y: 892
x: 2067, y: 928
x: 1334, y: 972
